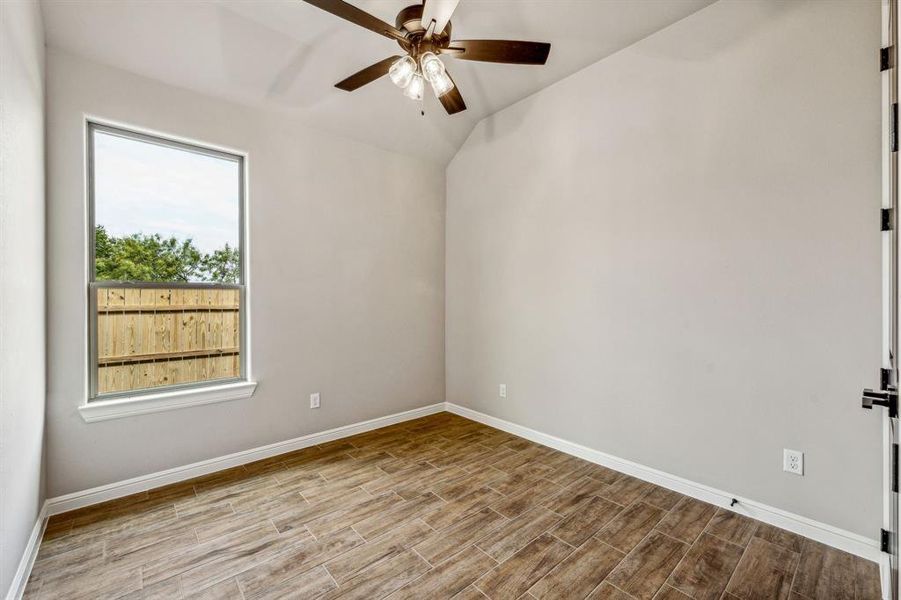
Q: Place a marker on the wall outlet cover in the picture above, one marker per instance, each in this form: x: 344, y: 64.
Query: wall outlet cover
x: 502, y: 390
x: 314, y: 400
x: 793, y: 461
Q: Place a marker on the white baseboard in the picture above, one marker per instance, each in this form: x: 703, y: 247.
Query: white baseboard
x: 119, y: 489
x: 821, y: 532
x: 23, y: 572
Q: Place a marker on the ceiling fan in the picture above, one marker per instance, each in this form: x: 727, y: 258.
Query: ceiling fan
x: 423, y: 31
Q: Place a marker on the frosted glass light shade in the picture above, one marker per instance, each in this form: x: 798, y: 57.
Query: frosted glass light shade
x: 413, y: 91
x: 402, y: 70
x: 432, y: 67
x: 442, y: 84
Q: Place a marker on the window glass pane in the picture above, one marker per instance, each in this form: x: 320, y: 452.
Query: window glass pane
x: 163, y: 213
x: 167, y: 225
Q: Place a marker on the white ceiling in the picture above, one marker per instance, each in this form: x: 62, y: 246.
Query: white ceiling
x: 287, y: 55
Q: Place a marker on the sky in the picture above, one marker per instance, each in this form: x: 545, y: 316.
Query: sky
x: 141, y: 187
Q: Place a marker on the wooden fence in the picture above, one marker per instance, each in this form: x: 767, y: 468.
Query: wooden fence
x: 152, y: 337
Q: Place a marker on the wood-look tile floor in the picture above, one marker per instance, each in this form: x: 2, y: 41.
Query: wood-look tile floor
x: 439, y: 507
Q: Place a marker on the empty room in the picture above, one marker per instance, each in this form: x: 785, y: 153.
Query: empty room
x: 449, y: 299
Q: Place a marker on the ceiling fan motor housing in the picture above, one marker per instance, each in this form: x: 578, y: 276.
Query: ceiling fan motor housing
x: 409, y: 21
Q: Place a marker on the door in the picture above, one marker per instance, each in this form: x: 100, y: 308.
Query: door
x: 891, y: 325
x: 886, y: 398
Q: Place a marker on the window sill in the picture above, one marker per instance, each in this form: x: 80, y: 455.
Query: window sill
x: 104, y: 410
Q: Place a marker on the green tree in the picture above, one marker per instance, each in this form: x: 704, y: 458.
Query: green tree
x: 223, y: 265
x: 140, y: 257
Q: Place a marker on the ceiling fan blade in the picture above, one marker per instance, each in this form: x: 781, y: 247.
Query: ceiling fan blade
x: 351, y: 13
x: 500, y: 51
x: 367, y: 75
x: 439, y: 11
x: 452, y: 101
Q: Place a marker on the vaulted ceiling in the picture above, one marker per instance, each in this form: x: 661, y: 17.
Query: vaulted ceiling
x: 286, y: 55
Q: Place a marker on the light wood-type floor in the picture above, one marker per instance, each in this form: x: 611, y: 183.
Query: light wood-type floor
x: 439, y: 507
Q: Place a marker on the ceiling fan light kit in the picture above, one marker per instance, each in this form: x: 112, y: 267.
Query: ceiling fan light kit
x: 404, y: 73
x: 423, y: 31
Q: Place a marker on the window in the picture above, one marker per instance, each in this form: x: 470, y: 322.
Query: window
x: 166, y: 283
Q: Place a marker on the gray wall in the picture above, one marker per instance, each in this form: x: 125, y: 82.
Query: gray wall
x: 21, y: 279
x: 346, y: 269
x: 673, y: 256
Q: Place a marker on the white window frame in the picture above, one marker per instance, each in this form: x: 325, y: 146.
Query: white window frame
x: 101, y: 407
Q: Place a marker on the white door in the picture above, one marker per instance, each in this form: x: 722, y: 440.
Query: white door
x: 886, y: 398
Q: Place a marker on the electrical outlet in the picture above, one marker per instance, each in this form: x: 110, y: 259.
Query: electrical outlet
x: 793, y: 461
x: 314, y: 400
x: 502, y: 390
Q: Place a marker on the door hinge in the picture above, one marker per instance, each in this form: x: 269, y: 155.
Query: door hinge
x: 888, y: 224
x: 887, y: 377
x: 886, y: 58
x: 885, y: 540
